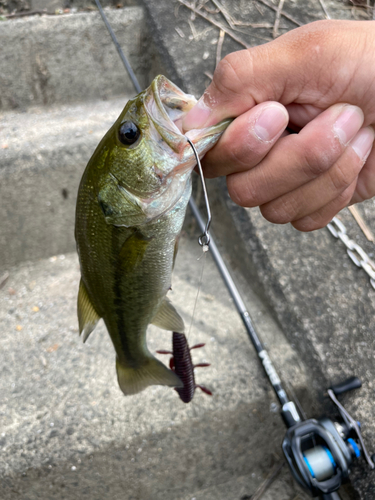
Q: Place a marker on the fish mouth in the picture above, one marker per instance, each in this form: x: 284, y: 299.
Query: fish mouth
x: 166, y: 106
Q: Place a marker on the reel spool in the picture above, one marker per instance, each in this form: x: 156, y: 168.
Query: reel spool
x: 320, y: 452
x: 320, y: 462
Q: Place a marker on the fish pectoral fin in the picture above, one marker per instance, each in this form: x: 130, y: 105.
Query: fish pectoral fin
x: 150, y: 372
x: 87, y: 316
x: 133, y: 251
x: 168, y: 318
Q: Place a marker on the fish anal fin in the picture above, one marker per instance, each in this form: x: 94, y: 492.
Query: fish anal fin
x: 150, y: 372
x: 168, y: 318
x: 87, y: 316
x: 133, y: 251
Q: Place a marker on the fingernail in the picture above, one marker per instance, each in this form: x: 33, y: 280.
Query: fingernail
x: 197, y: 116
x: 348, y: 123
x: 271, y: 121
x: 362, y: 142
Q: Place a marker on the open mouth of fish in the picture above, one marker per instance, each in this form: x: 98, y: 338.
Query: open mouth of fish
x: 173, y: 157
x: 166, y: 106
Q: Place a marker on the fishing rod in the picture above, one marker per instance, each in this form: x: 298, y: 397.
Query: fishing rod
x: 320, y: 451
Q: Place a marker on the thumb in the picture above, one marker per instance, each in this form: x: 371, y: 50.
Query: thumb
x: 285, y: 70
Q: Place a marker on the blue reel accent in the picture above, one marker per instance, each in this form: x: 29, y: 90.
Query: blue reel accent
x: 309, y: 467
x: 330, y: 457
x: 353, y: 444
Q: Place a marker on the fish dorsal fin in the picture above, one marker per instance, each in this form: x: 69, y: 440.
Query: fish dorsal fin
x: 87, y: 316
x: 168, y: 318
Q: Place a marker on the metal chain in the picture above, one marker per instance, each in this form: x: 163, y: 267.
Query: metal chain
x: 355, y: 251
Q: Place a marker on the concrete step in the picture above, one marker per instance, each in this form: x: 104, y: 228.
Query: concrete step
x: 242, y: 488
x: 71, y: 58
x: 42, y: 157
x: 66, y: 430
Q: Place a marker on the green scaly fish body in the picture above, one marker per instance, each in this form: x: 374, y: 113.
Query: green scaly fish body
x: 130, y: 209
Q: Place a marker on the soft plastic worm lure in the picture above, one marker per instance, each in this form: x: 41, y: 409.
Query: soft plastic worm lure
x: 182, y: 364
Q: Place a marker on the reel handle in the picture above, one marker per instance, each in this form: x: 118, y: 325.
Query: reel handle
x: 346, y: 385
x: 331, y: 496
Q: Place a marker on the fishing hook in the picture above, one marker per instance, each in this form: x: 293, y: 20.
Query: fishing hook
x: 204, y: 239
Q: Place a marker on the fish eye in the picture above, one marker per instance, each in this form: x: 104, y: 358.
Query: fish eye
x: 128, y: 133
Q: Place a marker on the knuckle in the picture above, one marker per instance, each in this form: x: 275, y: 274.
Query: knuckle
x: 321, y: 218
x: 237, y: 157
x: 280, y: 211
x: 308, y: 224
x: 228, y: 76
x: 341, y: 176
x: 344, y: 198
x: 240, y: 190
x: 314, y: 221
x: 315, y: 161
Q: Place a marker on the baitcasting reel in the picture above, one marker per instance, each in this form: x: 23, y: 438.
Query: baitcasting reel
x: 319, y: 452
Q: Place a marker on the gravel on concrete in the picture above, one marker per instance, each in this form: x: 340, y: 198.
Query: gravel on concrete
x: 67, y: 431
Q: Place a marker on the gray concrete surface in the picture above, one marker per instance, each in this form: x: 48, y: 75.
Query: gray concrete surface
x: 66, y: 430
x: 70, y: 58
x: 42, y: 157
x: 17, y: 7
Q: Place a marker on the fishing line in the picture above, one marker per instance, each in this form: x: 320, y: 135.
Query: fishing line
x: 204, y: 254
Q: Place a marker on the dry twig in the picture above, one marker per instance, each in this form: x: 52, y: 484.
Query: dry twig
x: 233, y: 22
x: 225, y: 13
x: 192, y: 14
x: 219, y: 46
x: 4, y: 279
x: 215, y: 23
x: 253, y: 25
x: 324, y: 9
x: 268, y: 481
x: 211, y: 11
x: 180, y: 32
x: 192, y: 27
x: 287, y: 16
x: 277, y: 19
x: 361, y: 223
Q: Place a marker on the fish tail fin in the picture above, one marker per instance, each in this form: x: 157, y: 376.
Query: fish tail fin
x: 150, y: 372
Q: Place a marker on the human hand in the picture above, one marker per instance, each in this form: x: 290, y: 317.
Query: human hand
x: 321, y: 79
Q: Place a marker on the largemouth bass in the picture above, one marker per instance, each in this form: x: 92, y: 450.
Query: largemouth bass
x: 131, y: 205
